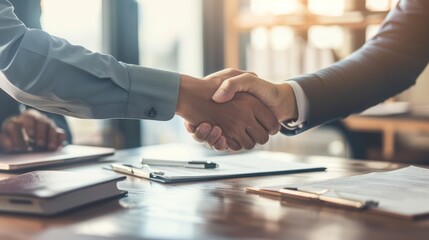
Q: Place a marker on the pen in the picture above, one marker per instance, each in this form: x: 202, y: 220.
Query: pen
x: 338, y: 200
x: 186, y: 164
x: 354, y: 203
x: 29, y: 141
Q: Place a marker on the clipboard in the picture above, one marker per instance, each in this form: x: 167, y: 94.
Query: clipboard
x: 259, y: 163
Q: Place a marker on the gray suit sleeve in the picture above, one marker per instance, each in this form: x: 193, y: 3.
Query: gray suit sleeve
x: 387, y: 64
x: 53, y: 75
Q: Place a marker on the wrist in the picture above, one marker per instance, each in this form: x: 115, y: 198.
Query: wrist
x: 185, y: 83
x: 288, y: 104
x: 191, y: 91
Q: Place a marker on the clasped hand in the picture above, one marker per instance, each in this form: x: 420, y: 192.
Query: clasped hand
x: 233, y: 109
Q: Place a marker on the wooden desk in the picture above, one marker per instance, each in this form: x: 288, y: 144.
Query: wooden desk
x: 214, y: 210
x: 389, y: 126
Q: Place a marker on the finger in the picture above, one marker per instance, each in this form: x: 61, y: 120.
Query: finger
x: 245, y: 141
x: 29, y: 123
x: 232, y: 144
x: 14, y: 131
x: 6, y: 143
x: 258, y: 133
x: 221, y: 144
x: 52, y: 140
x: 214, y: 135
x: 267, y: 119
x: 227, y: 73
x: 242, y: 83
x: 61, y: 137
x: 202, y: 132
x: 189, y: 127
x: 42, y: 131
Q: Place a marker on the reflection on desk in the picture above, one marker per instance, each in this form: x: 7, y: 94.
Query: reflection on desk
x: 215, y: 209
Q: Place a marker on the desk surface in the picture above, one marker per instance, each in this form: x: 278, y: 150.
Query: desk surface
x: 214, y: 210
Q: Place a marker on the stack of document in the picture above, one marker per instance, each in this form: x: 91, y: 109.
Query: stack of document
x: 403, y: 192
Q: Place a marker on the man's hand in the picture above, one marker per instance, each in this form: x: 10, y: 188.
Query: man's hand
x: 205, y: 132
x: 244, y: 120
x: 29, y: 131
x: 278, y: 97
x: 212, y: 135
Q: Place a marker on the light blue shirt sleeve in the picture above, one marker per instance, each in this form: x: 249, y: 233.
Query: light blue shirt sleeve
x: 53, y: 75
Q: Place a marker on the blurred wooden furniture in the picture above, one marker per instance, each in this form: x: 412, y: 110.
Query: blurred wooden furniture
x: 213, y: 209
x: 237, y: 20
x: 389, y: 127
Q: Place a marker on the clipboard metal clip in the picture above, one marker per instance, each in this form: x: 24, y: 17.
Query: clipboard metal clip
x: 145, y: 171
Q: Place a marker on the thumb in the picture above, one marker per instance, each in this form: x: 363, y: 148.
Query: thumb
x: 229, y: 87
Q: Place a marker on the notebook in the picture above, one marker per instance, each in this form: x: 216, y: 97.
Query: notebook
x: 53, y: 192
x: 68, y: 154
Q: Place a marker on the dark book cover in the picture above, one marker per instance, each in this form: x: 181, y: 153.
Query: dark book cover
x: 53, y: 192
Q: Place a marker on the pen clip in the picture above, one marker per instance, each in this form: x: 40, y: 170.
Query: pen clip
x: 205, y: 164
x: 151, y: 170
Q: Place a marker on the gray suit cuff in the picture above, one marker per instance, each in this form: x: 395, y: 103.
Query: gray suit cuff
x: 153, y: 93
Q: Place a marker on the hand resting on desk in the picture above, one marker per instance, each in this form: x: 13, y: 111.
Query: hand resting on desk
x: 30, y: 131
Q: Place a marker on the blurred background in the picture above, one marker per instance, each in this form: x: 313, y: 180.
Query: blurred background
x: 277, y: 39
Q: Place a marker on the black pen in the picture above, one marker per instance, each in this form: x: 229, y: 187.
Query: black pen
x: 186, y: 164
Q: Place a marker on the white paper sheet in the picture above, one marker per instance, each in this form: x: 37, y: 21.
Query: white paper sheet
x: 404, y: 191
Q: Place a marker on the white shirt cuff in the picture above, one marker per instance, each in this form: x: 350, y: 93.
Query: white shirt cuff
x: 302, y: 105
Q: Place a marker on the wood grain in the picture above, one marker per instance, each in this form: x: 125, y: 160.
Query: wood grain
x: 215, y: 210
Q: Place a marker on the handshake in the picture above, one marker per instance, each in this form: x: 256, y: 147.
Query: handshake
x: 233, y: 109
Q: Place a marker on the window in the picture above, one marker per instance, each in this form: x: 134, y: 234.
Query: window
x: 80, y: 22
x: 170, y: 38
